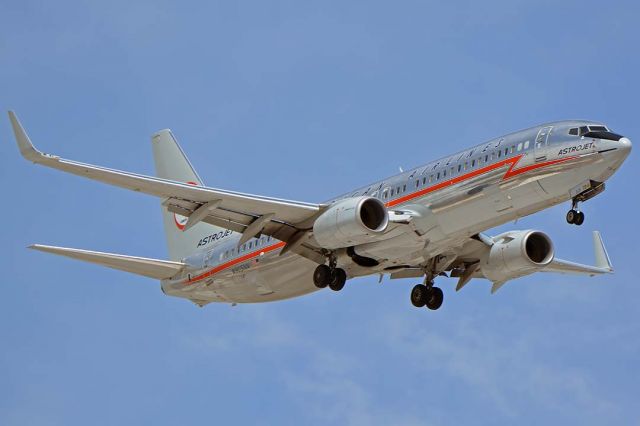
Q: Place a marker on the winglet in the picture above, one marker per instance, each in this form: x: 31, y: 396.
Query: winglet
x: 27, y: 149
x: 602, y: 257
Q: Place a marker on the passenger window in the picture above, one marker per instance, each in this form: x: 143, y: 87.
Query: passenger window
x: 430, y: 178
x: 418, y: 183
x: 486, y: 158
x: 506, y: 151
x: 404, y: 188
x: 513, y: 148
x: 520, y: 147
x: 459, y: 167
x: 398, y: 190
x: 424, y: 180
x: 473, y: 163
x: 444, y: 173
x: 384, y: 194
x: 526, y: 145
x: 466, y: 165
x: 392, y: 191
x: 438, y: 176
x: 500, y: 154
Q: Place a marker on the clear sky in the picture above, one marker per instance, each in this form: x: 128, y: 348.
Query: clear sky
x: 306, y: 100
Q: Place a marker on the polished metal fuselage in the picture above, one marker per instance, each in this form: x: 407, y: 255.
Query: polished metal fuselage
x: 457, y: 197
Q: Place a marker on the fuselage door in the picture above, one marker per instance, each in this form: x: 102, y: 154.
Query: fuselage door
x: 541, y: 143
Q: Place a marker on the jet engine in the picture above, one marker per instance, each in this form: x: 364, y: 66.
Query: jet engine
x: 517, y: 253
x: 351, y: 222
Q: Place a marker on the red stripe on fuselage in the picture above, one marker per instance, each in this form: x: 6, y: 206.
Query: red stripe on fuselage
x: 511, y: 172
x: 234, y: 262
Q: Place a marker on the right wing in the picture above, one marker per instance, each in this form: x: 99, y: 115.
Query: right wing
x: 286, y: 220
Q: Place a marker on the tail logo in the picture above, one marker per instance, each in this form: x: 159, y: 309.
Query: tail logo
x: 180, y: 220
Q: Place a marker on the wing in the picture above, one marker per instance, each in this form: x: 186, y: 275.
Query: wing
x: 152, y: 268
x: 251, y: 215
x: 602, y: 266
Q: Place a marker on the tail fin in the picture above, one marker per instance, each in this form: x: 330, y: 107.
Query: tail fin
x: 172, y: 163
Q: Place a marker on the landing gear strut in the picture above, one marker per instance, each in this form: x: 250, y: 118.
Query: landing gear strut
x: 575, y: 216
x: 330, y: 275
x: 427, y: 295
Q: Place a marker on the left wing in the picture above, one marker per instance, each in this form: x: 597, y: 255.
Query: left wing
x: 602, y: 266
x: 251, y: 215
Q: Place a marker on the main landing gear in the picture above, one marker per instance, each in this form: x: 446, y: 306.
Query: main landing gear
x: 329, y: 275
x: 427, y: 295
x: 575, y: 216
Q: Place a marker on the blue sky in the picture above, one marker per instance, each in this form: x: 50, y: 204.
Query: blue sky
x: 305, y: 100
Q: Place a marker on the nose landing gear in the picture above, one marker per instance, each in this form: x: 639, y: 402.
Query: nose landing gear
x: 575, y: 216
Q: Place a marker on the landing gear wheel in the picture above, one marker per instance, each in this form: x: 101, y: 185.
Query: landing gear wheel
x: 436, y: 297
x: 339, y: 279
x: 571, y: 216
x: 579, y: 220
x: 322, y: 276
x: 419, y: 295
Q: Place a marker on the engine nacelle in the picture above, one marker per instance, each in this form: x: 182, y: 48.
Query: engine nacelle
x: 517, y: 253
x: 351, y: 222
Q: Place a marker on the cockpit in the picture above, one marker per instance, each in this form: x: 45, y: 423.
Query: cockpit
x: 595, y: 131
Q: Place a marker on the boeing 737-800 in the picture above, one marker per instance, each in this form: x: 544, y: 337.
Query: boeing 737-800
x: 232, y: 247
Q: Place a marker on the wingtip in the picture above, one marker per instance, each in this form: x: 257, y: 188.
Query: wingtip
x: 602, y: 257
x: 25, y: 145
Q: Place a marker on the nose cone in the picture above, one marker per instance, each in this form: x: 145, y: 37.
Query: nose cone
x: 625, y: 145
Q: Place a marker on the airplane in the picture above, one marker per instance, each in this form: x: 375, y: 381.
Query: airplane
x: 424, y: 223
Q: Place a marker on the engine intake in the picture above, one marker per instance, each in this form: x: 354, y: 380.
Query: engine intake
x: 351, y: 222
x: 517, y: 253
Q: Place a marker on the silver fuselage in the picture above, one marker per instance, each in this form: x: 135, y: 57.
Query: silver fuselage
x: 466, y: 193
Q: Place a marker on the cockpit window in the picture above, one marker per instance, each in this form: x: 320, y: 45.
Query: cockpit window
x: 598, y: 129
x: 573, y: 131
x: 583, y: 130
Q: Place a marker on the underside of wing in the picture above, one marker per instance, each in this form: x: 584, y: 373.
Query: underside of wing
x: 251, y: 215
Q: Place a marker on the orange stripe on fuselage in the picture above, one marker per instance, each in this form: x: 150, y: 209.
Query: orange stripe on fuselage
x: 511, y: 172
x: 234, y: 262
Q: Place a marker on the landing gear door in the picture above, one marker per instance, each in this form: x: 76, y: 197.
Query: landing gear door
x: 541, y: 143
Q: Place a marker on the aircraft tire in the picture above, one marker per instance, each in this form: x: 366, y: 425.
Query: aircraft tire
x: 322, y: 276
x: 419, y: 295
x: 571, y: 216
x: 436, y: 297
x: 339, y: 279
x: 579, y: 220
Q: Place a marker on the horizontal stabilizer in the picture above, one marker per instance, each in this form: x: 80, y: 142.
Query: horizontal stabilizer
x: 152, y: 268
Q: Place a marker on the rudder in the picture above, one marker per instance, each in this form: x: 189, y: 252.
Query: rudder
x: 172, y: 163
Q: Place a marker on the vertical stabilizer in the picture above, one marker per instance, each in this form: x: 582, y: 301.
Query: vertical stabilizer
x: 171, y: 163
